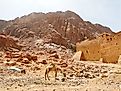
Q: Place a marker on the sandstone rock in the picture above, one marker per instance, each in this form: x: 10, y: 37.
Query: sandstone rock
x: 1, y: 54
x: 77, y: 56
x: 19, y: 59
x: 12, y: 55
x: 34, y: 58
x: 40, y: 53
x: 7, y: 42
x: 52, y: 51
x: 8, y: 55
x: 31, y: 57
x: 63, y: 64
x: 55, y: 55
x: 26, y: 61
x: 43, y: 62
x: 104, y: 75
x: 35, y: 68
x: 10, y: 63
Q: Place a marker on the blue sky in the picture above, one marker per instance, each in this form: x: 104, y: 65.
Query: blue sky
x: 105, y: 12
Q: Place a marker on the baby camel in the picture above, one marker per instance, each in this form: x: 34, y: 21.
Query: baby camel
x: 55, y: 68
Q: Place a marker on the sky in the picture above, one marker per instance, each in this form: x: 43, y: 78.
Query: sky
x: 105, y: 12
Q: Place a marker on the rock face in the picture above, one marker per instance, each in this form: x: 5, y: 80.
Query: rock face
x: 106, y: 47
x: 7, y: 42
x: 3, y: 24
x: 63, y: 28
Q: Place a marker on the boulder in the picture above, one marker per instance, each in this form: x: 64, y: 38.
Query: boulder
x: 1, y: 54
x: 16, y: 69
x: 55, y: 55
x: 30, y: 57
x: 9, y: 63
x: 43, y: 62
x: 78, y: 56
x: 25, y: 61
x: 8, y: 42
x: 34, y: 58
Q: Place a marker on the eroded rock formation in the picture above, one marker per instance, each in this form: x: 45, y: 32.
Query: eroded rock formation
x: 7, y: 42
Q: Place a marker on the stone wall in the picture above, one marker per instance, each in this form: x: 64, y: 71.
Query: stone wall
x: 90, y: 49
x: 105, y: 46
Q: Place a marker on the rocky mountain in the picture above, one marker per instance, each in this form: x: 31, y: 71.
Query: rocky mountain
x: 3, y: 24
x: 63, y: 28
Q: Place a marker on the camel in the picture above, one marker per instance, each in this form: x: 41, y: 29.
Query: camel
x: 55, y: 68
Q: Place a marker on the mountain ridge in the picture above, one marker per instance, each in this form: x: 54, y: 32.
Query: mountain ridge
x: 63, y: 28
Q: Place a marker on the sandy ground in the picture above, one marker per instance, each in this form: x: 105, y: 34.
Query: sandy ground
x: 34, y: 80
